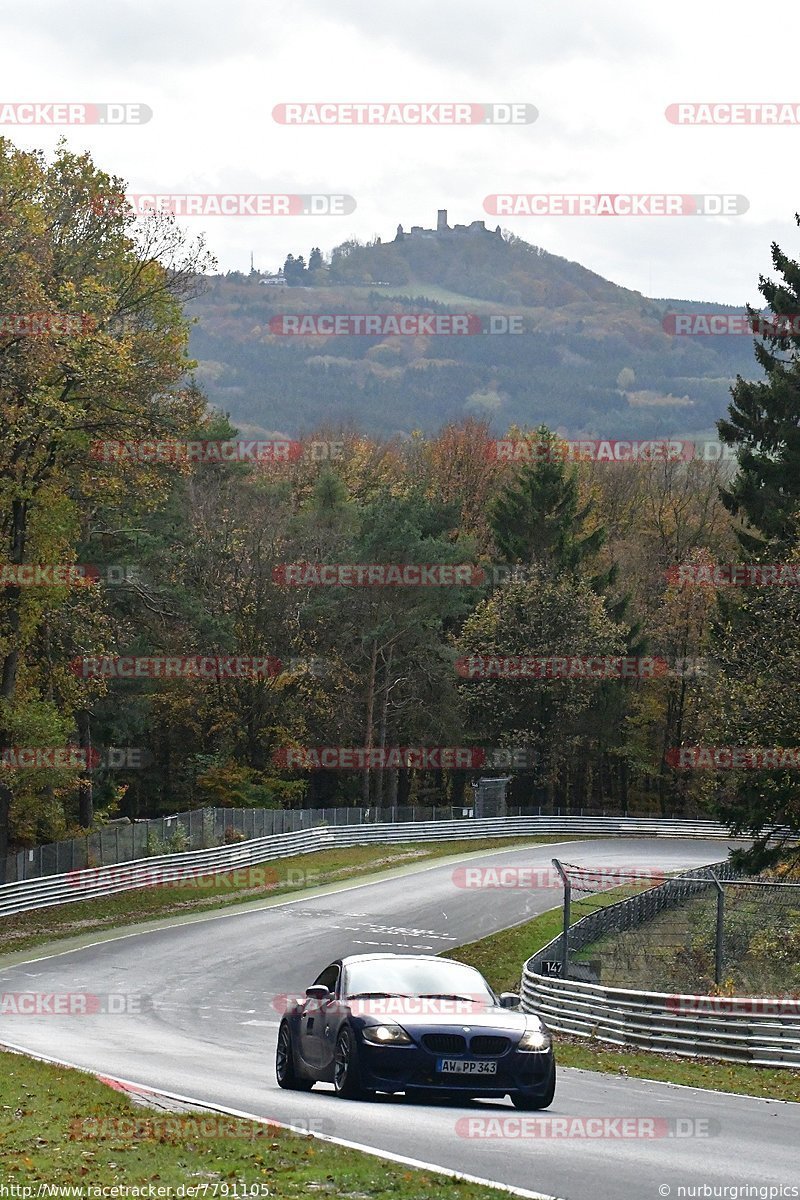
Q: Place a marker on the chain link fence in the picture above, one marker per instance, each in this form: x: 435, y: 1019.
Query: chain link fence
x: 205, y: 828
x: 708, y: 930
x: 198, y: 830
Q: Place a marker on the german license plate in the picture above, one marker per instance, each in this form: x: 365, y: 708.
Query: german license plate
x: 465, y: 1066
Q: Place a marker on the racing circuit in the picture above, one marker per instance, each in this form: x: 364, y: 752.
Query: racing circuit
x: 204, y: 1007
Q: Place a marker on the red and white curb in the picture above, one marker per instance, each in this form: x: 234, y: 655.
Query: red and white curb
x: 140, y: 1093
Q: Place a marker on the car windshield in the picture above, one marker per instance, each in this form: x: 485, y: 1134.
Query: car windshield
x: 417, y: 977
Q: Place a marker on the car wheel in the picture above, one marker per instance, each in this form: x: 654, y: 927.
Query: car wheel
x: 531, y: 1103
x: 347, y: 1069
x: 284, y: 1063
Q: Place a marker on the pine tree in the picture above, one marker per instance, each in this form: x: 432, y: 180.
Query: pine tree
x: 764, y: 423
x: 537, y: 516
x: 754, y: 706
x: 538, y: 520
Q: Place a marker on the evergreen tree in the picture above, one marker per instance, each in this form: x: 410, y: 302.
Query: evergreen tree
x: 294, y: 270
x: 762, y: 629
x: 537, y: 516
x: 764, y: 423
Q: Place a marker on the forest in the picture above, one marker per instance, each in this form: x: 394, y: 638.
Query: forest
x: 122, y: 543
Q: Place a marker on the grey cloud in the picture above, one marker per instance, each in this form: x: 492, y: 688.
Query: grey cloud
x: 470, y: 34
x: 136, y: 32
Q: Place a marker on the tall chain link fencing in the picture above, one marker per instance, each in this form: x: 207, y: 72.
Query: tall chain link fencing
x: 698, y: 932
x: 199, y: 830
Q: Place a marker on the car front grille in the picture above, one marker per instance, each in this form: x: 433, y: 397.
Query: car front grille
x: 445, y: 1043
x: 489, y: 1044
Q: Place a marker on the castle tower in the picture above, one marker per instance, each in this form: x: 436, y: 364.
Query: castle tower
x: 441, y: 221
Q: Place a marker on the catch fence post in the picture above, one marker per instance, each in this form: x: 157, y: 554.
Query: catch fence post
x: 566, y: 924
x: 719, y: 941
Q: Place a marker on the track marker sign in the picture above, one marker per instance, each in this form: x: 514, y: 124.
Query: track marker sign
x: 552, y: 966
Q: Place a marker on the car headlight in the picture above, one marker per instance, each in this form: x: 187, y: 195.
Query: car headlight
x: 535, y: 1041
x: 385, y: 1035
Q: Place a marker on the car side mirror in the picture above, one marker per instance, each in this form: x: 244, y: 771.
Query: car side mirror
x: 318, y: 991
x: 509, y: 1000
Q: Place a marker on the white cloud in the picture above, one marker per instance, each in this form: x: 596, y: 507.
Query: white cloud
x: 600, y: 72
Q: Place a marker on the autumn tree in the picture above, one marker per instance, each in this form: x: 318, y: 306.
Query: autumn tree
x: 106, y: 363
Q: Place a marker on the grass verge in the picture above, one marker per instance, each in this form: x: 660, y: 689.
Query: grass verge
x: 63, y: 1127
x: 196, y: 894
x: 500, y: 958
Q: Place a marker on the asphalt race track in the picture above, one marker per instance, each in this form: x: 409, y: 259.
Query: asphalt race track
x: 210, y: 1034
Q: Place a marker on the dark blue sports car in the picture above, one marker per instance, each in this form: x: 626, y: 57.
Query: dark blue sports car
x: 413, y: 1024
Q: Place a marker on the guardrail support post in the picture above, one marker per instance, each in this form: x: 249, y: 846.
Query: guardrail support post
x: 719, y: 941
x: 567, y: 918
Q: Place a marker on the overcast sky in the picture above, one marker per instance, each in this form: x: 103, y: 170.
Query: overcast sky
x: 600, y: 72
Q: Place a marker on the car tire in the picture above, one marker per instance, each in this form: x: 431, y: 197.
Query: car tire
x: 347, y: 1069
x: 532, y: 1103
x: 284, y: 1063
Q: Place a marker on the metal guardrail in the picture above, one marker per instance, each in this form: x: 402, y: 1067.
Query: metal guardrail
x: 204, y: 828
x: 201, y: 829
x: 93, y: 883
x: 762, y: 1031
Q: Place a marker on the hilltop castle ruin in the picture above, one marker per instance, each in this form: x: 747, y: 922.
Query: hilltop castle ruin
x: 442, y: 230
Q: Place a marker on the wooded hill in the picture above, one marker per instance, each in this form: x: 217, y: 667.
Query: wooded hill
x: 594, y: 359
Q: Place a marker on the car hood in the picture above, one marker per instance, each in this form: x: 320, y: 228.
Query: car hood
x: 502, y: 1019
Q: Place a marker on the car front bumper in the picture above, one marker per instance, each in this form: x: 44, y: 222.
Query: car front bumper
x: 410, y: 1068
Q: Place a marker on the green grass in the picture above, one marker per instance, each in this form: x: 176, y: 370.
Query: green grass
x: 430, y: 291
x: 281, y: 877
x: 674, y: 952
x: 500, y: 958
x: 63, y: 1127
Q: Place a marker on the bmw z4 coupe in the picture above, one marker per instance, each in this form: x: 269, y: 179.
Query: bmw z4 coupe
x: 415, y: 1024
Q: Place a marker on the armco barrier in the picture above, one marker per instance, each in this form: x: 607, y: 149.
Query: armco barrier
x: 760, y: 1031
x: 199, y: 829
x: 763, y: 1032
x: 203, y: 828
x: 92, y: 883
